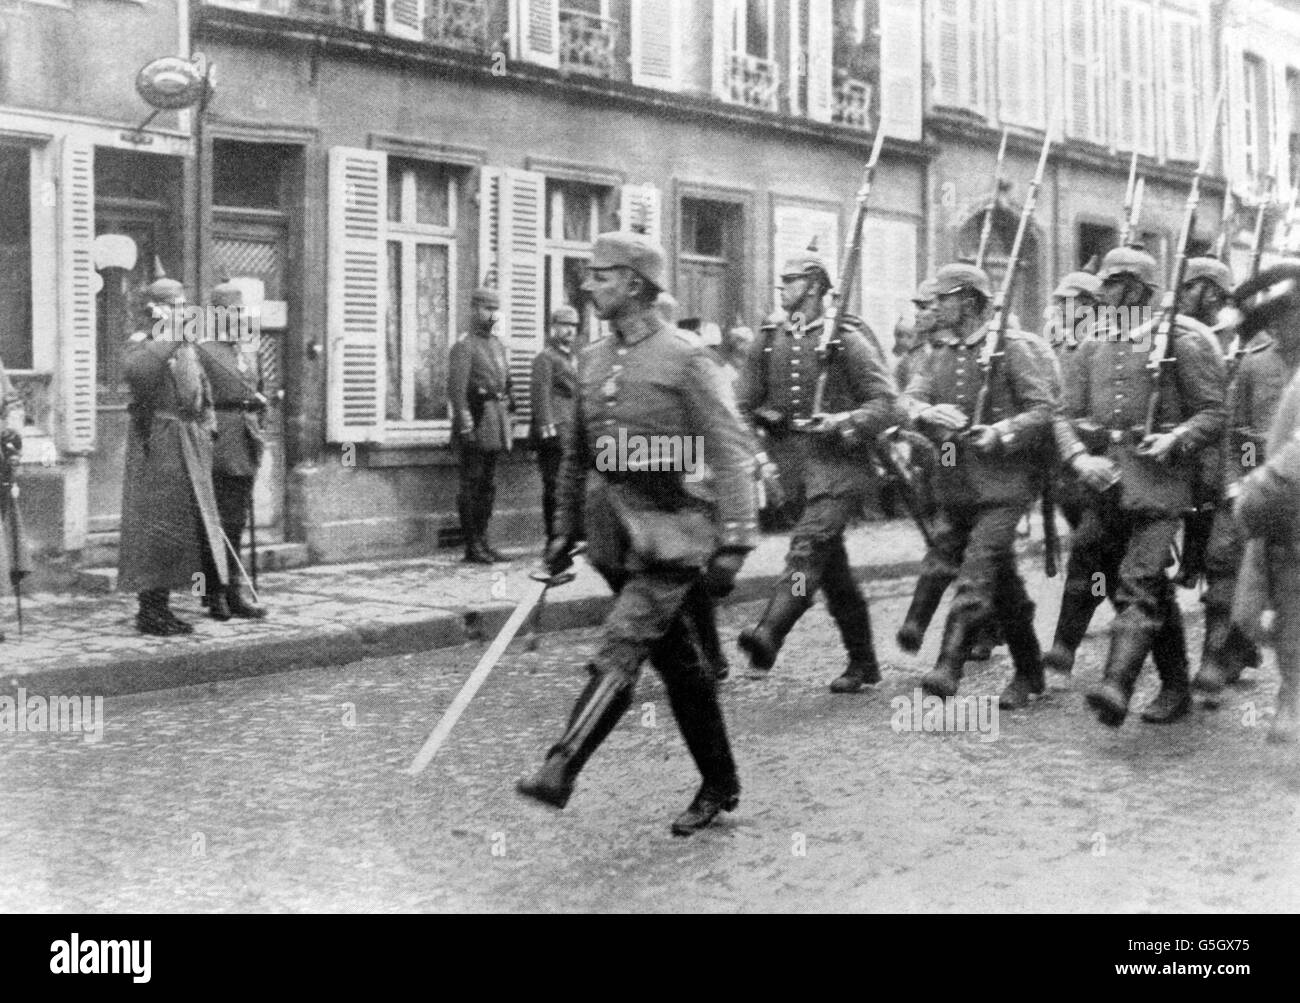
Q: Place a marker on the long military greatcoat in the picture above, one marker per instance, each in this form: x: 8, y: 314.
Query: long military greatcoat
x: 169, y: 510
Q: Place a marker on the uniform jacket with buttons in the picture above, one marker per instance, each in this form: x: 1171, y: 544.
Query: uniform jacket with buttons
x: 1259, y: 377
x: 237, y: 451
x: 1108, y: 385
x: 781, y: 375
x: 648, y: 386
x: 554, y: 392
x: 1020, y: 404
x: 479, y: 386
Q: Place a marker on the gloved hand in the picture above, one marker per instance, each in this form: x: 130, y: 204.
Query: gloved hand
x: 945, y: 416
x: 720, y: 576
x: 558, y: 558
x: 983, y: 439
x: 1096, y: 472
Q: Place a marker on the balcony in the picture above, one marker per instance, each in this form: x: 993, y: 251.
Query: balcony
x: 751, y: 81
x: 587, y: 43
x: 345, y: 13
x: 852, y: 101
x: 459, y: 24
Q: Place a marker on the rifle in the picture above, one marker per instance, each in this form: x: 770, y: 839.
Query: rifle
x: 987, y: 230
x: 1162, y: 355
x: 1257, y: 239
x: 1132, y: 203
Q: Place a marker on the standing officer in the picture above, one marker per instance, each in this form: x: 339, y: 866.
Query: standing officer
x: 661, y: 542
x: 169, y: 510
x: 232, y: 368
x: 1259, y: 375
x: 479, y: 384
x: 1139, y: 485
x: 1268, y: 503
x: 986, y: 477
x: 859, y: 403
x: 554, y: 390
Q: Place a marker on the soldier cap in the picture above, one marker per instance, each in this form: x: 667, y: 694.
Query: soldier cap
x: 165, y: 290
x: 956, y: 277
x: 564, y: 315
x: 227, y: 294
x: 804, y: 266
x: 634, y: 251
x: 484, y: 296
x: 1129, y: 261
x: 1209, y: 268
x: 1076, y: 284
x: 926, y: 292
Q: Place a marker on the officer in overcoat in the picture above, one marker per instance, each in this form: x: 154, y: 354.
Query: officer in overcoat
x: 662, y: 536
x: 169, y: 510
x: 833, y: 450
x: 480, y: 389
x: 1139, y: 484
x: 553, y: 390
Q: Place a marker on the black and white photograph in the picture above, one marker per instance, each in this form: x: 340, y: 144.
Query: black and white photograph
x: 651, y: 457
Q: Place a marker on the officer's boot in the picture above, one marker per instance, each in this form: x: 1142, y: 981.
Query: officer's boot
x: 1286, y: 720
x: 470, y: 529
x: 487, y: 548
x: 607, y: 696
x: 1026, y: 659
x: 925, y: 600
x: 1077, y: 607
x: 1128, y: 651
x: 702, y: 612
x: 1212, y: 676
x: 155, y: 616
x: 218, y: 606
x: 763, y: 641
x: 945, y: 677
x: 239, y: 607
x: 1169, y: 652
x: 848, y: 607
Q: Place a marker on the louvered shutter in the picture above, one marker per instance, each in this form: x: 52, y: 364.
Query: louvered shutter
x: 947, y: 53
x: 536, y: 31
x: 723, y: 13
x: 640, y: 211
x: 1022, y: 47
x: 888, y: 274
x: 1083, y: 75
x: 820, y: 62
x: 959, y: 54
x: 404, y: 18
x: 900, y: 69
x: 77, y: 294
x: 656, y: 43
x: 358, y: 206
x: 1182, y: 47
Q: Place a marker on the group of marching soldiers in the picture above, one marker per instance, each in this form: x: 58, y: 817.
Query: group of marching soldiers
x: 1146, y: 427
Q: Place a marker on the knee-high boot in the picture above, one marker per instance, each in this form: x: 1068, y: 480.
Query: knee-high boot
x: 763, y: 641
x: 1129, y: 647
x: 848, y: 607
x: 925, y: 600
x: 1026, y: 659
x: 944, y: 679
x: 1169, y: 652
x: 1078, y: 605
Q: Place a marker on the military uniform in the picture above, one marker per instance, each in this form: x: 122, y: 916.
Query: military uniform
x: 15, y: 556
x: 655, y: 530
x: 981, y: 496
x: 480, y: 389
x: 554, y: 390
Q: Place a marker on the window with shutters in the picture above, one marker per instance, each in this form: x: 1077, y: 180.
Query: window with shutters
x: 745, y: 66
x: 1083, y: 66
x: 957, y: 54
x: 16, y: 258
x: 1021, y: 34
x: 709, y: 262
x: 420, y: 315
x: 1256, y: 117
x: 588, y: 37
x: 811, y: 73
x: 1134, y: 87
x: 1183, y: 74
x: 657, y: 31
x: 573, y: 214
x: 535, y: 31
x: 856, y: 36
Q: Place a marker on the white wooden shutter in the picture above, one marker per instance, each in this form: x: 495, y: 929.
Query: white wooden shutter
x: 1021, y: 45
x: 357, y: 290
x: 723, y: 16
x: 1083, y: 70
x: 77, y: 294
x: 404, y: 18
x: 1134, y: 111
x: 888, y: 274
x: 641, y: 211
x: 959, y: 53
x: 820, y: 63
x: 512, y: 208
x: 656, y: 43
x: 535, y: 33
x: 794, y: 229
x: 900, y: 69
x: 1182, y: 49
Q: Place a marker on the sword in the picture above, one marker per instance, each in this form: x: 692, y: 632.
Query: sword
x: 539, y: 582
x: 240, y: 565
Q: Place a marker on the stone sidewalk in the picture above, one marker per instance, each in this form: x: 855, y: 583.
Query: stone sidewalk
x: 335, y: 614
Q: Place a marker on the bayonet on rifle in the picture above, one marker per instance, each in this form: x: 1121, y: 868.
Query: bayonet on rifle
x: 987, y: 230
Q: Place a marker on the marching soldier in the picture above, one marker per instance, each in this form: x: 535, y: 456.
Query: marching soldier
x: 480, y: 389
x: 1263, y: 366
x: 859, y: 403
x: 169, y: 510
x: 554, y: 389
x: 986, y: 478
x: 1139, y: 485
x: 1268, y: 502
x: 237, y: 451
x: 664, y: 544
x: 1074, y: 311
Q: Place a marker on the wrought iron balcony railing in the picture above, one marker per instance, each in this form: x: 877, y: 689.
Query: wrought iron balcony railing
x: 852, y: 102
x: 751, y: 81
x: 461, y: 24
x: 587, y: 43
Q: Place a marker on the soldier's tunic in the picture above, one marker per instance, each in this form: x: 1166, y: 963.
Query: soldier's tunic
x: 169, y: 510
x: 554, y: 391
x: 480, y: 390
x: 651, y: 532
x: 1127, y: 534
x: 982, y: 497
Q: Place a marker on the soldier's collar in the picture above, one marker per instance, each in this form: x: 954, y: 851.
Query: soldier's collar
x: 631, y: 329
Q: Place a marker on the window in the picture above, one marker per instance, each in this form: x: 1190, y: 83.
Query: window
x: 710, y: 275
x: 1022, y: 62
x: 421, y: 270
x: 811, y: 59
x: 857, y: 62
x: 247, y: 175
x: 573, y: 212
x: 15, y: 258
x: 1255, y: 116
x: 1095, y: 240
x: 1182, y: 77
x: 958, y: 58
x: 704, y: 227
x: 744, y: 60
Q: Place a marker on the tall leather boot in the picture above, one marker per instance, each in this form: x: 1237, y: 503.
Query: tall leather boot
x: 1078, y: 605
x: 945, y: 677
x: 605, y: 699
x: 1225, y: 653
x: 470, y: 531
x: 1128, y: 652
x: 763, y: 641
x: 239, y: 606
x: 155, y: 616
x: 849, y: 609
x: 1026, y: 659
x: 925, y: 600
x: 701, y: 609
x: 1169, y: 652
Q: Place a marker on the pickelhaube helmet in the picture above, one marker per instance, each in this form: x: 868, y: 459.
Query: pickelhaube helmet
x: 1129, y: 261
x: 806, y: 265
